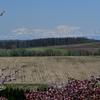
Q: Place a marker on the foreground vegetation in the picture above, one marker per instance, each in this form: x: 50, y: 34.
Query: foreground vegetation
x: 74, y: 90
x: 26, y: 87
x: 13, y: 94
x: 17, y: 91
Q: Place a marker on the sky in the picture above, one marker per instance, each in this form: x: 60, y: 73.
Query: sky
x: 32, y: 19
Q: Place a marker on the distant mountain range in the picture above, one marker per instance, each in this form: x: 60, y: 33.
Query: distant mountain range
x: 60, y: 31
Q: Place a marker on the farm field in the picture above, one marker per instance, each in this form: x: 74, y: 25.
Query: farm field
x: 53, y: 69
x: 76, y: 47
x: 46, y: 48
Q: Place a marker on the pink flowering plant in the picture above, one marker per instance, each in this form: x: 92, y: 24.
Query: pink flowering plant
x: 7, y: 78
x: 73, y: 90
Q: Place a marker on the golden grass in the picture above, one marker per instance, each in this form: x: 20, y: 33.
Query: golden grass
x: 56, y: 68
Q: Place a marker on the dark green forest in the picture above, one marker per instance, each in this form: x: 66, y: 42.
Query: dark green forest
x: 10, y: 44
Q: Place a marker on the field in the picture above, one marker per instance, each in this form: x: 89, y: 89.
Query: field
x: 46, y: 48
x: 53, y: 69
x: 76, y: 47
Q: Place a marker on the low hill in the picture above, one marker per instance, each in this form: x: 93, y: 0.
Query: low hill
x: 78, y: 47
x: 10, y: 44
x: 53, y: 69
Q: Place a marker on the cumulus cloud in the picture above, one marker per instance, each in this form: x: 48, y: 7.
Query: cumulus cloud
x: 59, y: 31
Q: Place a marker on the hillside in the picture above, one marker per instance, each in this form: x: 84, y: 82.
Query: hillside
x: 77, y: 47
x: 83, y: 49
x: 10, y: 44
x: 56, y: 69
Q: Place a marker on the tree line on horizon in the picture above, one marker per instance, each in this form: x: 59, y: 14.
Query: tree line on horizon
x: 10, y: 44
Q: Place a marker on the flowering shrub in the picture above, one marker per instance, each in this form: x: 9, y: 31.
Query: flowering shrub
x: 3, y: 98
x: 7, y: 78
x: 73, y: 90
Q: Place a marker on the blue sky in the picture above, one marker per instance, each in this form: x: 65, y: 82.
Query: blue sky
x: 29, y: 19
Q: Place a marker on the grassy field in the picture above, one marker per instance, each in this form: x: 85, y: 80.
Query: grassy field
x: 46, y: 48
x: 76, y: 47
x: 26, y: 86
x: 53, y: 69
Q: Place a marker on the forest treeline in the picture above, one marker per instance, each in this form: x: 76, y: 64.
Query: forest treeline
x: 10, y: 44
